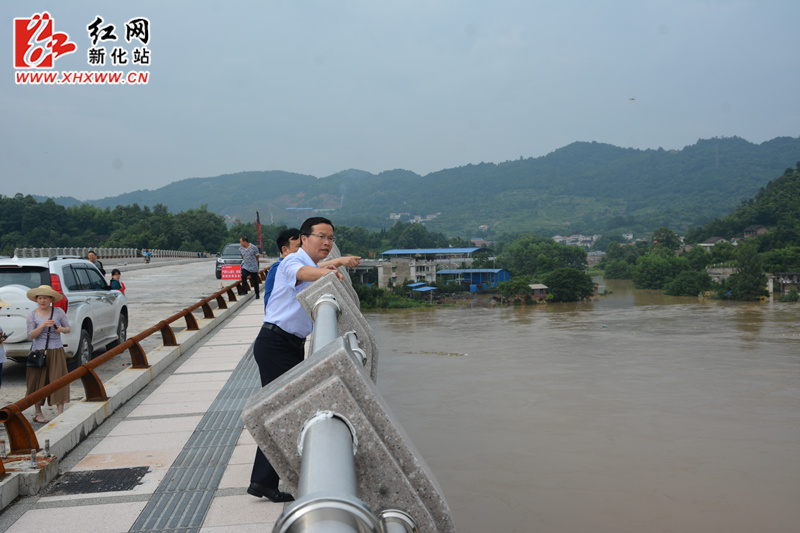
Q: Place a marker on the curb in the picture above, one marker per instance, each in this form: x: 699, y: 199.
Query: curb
x: 76, y: 423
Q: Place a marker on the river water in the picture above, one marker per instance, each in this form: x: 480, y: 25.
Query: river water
x: 636, y: 412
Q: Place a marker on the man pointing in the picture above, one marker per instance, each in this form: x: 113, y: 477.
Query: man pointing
x: 280, y: 343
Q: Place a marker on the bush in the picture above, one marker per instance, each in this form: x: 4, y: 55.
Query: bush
x: 654, y: 270
x: 689, y: 283
x: 618, y: 269
x: 373, y: 297
x: 791, y: 296
x: 569, y: 285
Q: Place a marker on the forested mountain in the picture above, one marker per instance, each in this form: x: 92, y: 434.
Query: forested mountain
x: 584, y: 187
x: 776, y: 206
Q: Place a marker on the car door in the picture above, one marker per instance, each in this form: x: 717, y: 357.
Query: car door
x: 88, y: 301
x: 104, y: 305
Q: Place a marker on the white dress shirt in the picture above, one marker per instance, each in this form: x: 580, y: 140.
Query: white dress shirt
x: 283, y: 309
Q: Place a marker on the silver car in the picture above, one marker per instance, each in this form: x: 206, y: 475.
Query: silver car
x: 98, y: 315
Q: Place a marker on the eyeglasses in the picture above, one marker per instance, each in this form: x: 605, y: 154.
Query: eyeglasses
x: 332, y: 239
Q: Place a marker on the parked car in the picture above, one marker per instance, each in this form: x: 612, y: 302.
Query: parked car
x: 228, y: 256
x: 98, y: 315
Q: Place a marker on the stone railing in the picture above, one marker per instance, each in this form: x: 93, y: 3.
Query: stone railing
x: 102, y: 253
x: 330, y: 435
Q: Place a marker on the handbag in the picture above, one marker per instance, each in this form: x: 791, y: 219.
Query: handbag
x: 38, y: 358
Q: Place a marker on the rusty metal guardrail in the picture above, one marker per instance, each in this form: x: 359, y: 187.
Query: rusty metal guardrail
x: 21, y: 435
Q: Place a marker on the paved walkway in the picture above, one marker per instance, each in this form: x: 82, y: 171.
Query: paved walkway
x: 174, y: 459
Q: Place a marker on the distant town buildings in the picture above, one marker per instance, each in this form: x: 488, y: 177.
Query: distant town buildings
x: 420, y: 264
x: 398, y: 270
x: 586, y: 241
x: 785, y: 281
x: 755, y: 231
x: 710, y: 243
x: 593, y: 258
x: 408, y: 217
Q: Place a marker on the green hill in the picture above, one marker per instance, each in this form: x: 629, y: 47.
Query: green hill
x: 586, y: 187
x: 775, y: 206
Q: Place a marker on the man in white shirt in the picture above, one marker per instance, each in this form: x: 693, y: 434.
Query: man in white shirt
x: 280, y: 343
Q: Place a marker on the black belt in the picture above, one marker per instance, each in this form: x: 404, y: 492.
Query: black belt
x: 294, y: 338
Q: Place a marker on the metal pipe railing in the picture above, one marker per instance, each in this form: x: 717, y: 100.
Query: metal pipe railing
x: 327, y: 437
x: 327, y: 489
x: 325, y: 315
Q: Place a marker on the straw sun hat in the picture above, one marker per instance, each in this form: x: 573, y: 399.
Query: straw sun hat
x: 44, y: 290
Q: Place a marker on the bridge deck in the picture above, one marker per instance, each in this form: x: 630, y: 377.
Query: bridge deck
x: 175, y: 458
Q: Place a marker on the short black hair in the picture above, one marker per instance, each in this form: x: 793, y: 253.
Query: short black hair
x: 285, y: 236
x: 243, y: 238
x: 305, y: 229
x: 115, y: 272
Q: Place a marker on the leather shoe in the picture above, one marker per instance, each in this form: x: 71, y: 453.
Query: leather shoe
x: 274, y: 495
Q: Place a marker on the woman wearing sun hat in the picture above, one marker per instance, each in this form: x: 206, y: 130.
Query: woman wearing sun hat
x: 41, y: 321
x: 3, y: 338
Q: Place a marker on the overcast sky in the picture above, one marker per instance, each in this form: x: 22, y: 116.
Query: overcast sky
x: 317, y: 87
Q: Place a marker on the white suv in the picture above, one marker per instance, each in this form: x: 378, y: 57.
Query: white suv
x: 98, y: 316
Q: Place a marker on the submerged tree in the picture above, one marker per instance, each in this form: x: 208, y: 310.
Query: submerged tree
x: 689, y: 283
x: 749, y: 282
x: 569, y: 285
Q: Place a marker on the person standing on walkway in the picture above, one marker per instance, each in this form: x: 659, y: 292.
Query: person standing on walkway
x: 45, y: 326
x: 280, y: 343
x: 249, y: 255
x: 288, y: 242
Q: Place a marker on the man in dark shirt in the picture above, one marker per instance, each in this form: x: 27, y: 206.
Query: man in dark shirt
x: 93, y: 258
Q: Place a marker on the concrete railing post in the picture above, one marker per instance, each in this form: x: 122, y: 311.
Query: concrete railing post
x: 329, y: 434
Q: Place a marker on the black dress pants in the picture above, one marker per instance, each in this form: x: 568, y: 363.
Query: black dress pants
x: 275, y: 354
x: 253, y: 281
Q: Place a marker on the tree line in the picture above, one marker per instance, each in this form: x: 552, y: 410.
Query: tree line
x: 28, y: 223
x: 667, y: 264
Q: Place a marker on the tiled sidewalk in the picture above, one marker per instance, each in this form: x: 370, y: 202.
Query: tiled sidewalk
x: 188, y: 434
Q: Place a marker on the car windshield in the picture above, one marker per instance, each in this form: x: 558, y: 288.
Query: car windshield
x: 231, y: 249
x: 30, y: 277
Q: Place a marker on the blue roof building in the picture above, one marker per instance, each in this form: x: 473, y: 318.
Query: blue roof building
x: 432, y: 253
x: 477, y: 279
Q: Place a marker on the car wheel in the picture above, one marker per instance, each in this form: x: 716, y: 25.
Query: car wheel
x: 219, y: 274
x: 84, y: 352
x: 122, y: 333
